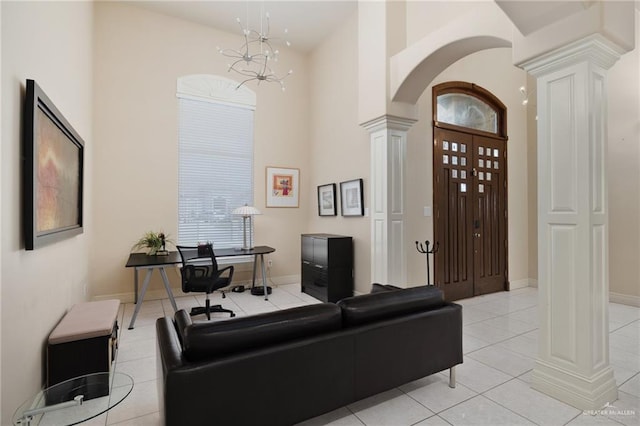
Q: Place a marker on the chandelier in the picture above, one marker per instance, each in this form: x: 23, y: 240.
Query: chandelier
x: 253, y: 58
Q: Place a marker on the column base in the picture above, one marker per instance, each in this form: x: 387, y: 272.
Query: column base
x: 584, y: 393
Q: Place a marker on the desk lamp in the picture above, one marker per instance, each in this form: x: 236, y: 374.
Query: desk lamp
x: 247, y: 212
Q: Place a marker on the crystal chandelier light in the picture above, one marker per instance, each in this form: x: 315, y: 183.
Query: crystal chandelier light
x: 253, y: 59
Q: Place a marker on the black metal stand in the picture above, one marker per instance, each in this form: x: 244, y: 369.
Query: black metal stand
x: 424, y: 249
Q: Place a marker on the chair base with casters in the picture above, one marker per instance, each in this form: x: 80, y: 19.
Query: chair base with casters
x: 208, y: 308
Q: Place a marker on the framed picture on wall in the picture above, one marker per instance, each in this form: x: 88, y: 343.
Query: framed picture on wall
x: 327, y: 200
x: 351, y: 198
x: 52, y: 172
x: 283, y: 187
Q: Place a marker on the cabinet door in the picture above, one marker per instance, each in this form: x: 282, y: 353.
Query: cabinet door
x: 320, y: 251
x: 307, y: 248
x: 314, y: 280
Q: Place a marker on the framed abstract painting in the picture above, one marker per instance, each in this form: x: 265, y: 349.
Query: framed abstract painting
x: 283, y: 187
x: 52, y: 173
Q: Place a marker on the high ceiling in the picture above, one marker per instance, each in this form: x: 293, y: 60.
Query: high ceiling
x: 308, y: 21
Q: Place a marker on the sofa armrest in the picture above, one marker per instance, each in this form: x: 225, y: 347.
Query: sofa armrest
x: 169, y: 346
x: 398, y: 350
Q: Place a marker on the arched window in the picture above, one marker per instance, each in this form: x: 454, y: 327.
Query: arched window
x: 215, y: 149
x: 460, y: 104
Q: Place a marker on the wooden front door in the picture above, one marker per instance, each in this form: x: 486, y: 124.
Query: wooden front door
x: 470, y: 211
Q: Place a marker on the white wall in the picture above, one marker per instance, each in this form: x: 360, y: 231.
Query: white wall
x: 141, y: 55
x: 624, y: 175
x: 49, y: 42
x: 1, y: 144
x: 339, y: 147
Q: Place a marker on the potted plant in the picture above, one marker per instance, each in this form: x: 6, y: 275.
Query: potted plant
x: 154, y: 242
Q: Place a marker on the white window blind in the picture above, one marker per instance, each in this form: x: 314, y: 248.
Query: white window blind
x: 215, y: 171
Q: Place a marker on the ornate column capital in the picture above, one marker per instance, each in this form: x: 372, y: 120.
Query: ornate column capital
x: 595, y: 49
x: 388, y: 122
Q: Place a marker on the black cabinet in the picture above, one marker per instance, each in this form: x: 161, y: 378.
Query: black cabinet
x: 327, y: 266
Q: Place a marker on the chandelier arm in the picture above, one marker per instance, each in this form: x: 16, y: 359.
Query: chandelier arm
x: 233, y: 54
x: 268, y: 28
x: 256, y: 52
x: 247, y: 73
x: 245, y: 81
x: 233, y: 65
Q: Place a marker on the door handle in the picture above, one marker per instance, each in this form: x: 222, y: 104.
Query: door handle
x: 476, y: 234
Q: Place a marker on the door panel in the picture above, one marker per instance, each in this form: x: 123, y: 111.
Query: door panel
x: 490, y: 215
x: 454, y: 260
x: 470, y: 215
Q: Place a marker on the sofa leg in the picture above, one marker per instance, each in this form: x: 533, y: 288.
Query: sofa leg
x: 452, y: 377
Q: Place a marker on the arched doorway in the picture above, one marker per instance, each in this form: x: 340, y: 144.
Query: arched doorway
x: 470, y: 190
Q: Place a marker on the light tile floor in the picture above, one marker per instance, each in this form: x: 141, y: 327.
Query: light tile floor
x: 493, y: 383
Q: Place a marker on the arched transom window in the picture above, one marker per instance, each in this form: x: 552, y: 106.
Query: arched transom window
x: 467, y: 105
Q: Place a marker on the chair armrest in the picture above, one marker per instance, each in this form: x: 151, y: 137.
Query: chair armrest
x: 225, y: 269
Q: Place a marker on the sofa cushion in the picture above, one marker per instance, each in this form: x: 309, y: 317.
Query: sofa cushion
x: 377, y: 288
x: 213, y: 339
x: 371, y: 307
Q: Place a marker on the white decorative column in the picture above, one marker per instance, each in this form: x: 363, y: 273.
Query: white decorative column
x: 387, y: 198
x: 573, y: 355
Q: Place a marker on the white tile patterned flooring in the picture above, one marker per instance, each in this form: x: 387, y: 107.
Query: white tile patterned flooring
x: 493, y: 383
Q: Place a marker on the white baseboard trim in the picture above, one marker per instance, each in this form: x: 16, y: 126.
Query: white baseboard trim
x: 157, y: 294
x: 581, y: 391
x: 150, y: 295
x: 624, y: 299
x: 516, y: 284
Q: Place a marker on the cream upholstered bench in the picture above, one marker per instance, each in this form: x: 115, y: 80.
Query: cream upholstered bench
x: 85, y: 341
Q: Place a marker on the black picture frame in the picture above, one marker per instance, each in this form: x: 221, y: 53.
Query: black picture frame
x: 327, y: 202
x: 53, y: 172
x: 352, y: 197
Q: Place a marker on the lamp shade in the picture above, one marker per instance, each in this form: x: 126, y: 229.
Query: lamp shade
x: 246, y: 211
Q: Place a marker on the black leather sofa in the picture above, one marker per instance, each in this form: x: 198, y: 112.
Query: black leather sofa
x: 283, y: 367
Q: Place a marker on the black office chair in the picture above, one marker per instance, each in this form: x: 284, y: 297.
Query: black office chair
x: 200, y: 273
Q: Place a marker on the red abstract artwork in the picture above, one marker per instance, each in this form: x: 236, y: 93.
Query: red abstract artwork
x: 58, y: 177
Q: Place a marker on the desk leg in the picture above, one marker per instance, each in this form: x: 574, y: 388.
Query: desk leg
x: 255, y: 263
x: 264, y: 277
x: 135, y: 285
x: 167, y: 286
x: 145, y: 284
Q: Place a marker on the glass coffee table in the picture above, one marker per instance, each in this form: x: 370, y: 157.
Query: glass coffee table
x: 75, y: 400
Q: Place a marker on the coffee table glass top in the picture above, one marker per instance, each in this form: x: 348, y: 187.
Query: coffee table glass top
x: 74, y: 401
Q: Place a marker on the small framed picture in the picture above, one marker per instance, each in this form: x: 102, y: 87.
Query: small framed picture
x: 351, y: 197
x: 283, y: 187
x: 327, y: 200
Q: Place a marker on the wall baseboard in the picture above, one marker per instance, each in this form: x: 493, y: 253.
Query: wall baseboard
x: 158, y: 294
x: 624, y: 299
x: 516, y: 284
